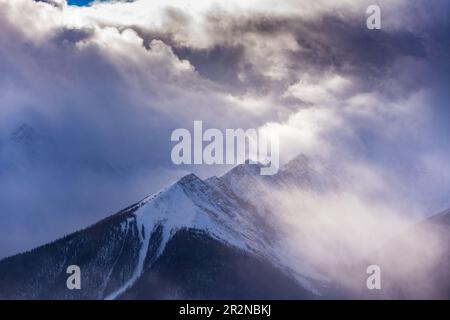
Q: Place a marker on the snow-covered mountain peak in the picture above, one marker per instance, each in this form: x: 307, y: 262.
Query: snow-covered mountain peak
x: 245, y: 169
x: 173, y: 205
x: 189, y: 178
x: 25, y: 135
x: 190, y: 181
x: 442, y: 218
x: 304, y: 172
x: 300, y: 163
x: 232, y: 211
x: 187, y: 204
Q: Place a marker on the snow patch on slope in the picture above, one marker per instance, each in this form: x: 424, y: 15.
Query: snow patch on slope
x: 173, y: 210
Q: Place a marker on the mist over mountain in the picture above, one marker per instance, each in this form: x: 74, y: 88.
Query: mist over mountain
x: 91, y: 92
x: 230, y: 237
x: 103, y: 86
x: 190, y: 229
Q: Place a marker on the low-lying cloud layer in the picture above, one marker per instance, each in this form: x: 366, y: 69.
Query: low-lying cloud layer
x: 100, y: 88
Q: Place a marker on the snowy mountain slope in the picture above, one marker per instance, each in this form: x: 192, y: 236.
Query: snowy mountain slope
x: 185, y: 205
x: 212, y: 239
x: 115, y: 253
x: 246, y: 181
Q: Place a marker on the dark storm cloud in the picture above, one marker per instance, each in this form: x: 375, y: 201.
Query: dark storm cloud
x: 339, y: 43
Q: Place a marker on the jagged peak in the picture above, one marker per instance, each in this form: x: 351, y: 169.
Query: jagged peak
x: 186, y: 182
x: 248, y: 167
x: 301, y: 161
x: 25, y: 134
x: 189, y: 179
x: 441, y: 218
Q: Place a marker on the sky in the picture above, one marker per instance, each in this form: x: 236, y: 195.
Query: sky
x: 85, y: 2
x: 91, y: 94
x: 79, y: 2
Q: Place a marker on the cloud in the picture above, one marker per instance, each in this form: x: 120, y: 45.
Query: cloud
x: 105, y: 85
x: 334, y: 236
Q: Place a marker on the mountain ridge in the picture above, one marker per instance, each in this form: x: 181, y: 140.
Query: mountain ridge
x: 128, y: 243
x: 180, y: 242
